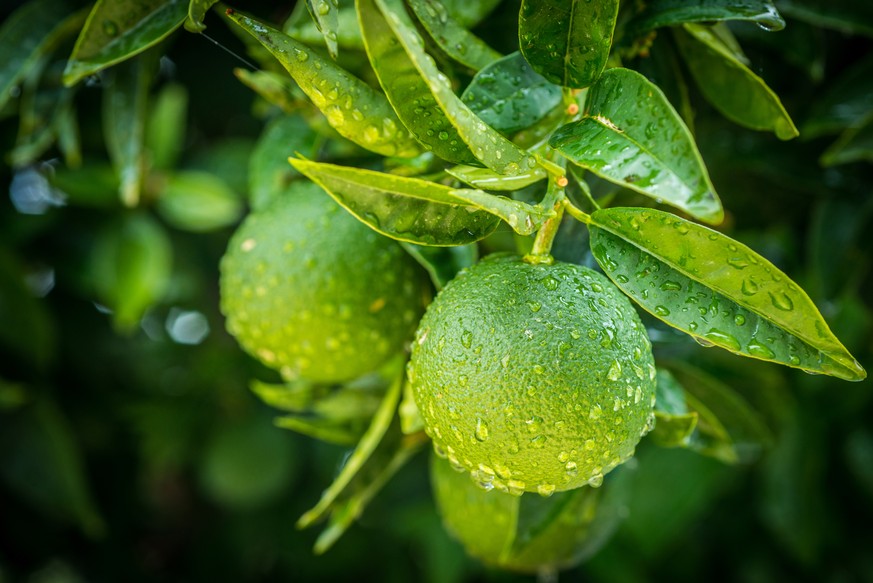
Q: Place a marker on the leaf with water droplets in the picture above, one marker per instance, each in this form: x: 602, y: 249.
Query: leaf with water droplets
x: 489, y: 180
x: 451, y: 36
x: 353, y: 108
x: 423, y: 96
x: 197, y: 10
x: 442, y: 263
x: 510, y: 96
x: 631, y: 135
x: 716, y: 289
x: 567, y: 41
x: 419, y: 211
x: 662, y: 13
x: 119, y: 29
x: 301, y: 26
x: 325, y: 15
x: 729, y: 85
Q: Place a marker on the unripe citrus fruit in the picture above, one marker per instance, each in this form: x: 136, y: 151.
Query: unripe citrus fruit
x: 533, y: 377
x: 314, y: 293
x: 527, y: 533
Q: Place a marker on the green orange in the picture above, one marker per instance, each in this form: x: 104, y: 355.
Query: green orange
x: 314, y: 293
x: 534, y: 378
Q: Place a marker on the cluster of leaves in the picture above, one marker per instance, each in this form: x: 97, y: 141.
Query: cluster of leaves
x: 601, y: 131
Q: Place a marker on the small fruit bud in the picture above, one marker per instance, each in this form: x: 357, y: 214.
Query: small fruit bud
x: 572, y: 109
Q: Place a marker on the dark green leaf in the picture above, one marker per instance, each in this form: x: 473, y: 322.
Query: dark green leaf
x: 661, y: 13
x: 352, y: 107
x: 43, y: 112
x: 27, y: 334
x: 716, y: 289
x: 119, y: 29
x: 269, y: 170
x: 442, y: 263
x: 197, y: 10
x: 729, y: 85
x: 855, y: 145
x: 419, y: 211
x: 455, y: 40
x: 276, y: 89
x: 846, y: 101
x: 410, y: 417
x: 198, y: 202
x: 631, y: 135
x: 469, y: 13
x: 844, y: 15
x: 66, y: 128
x: 92, y: 185
x: 125, y: 107
x: 567, y: 41
x: 348, y: 34
x: 489, y: 180
x: 674, y: 425
x: 165, y: 129
x: 130, y: 268
x: 510, y: 96
x: 325, y: 15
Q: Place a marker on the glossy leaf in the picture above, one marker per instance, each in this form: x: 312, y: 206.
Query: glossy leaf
x: 419, y: 211
x: 510, y: 96
x: 348, y: 34
x: 475, y: 139
x: 27, y: 35
x: 269, y: 171
x: 844, y: 15
x: 716, y: 289
x: 662, y: 13
x: 489, y: 180
x: 125, y: 107
x: 119, y: 29
x: 674, y: 424
x: 130, y: 268
x: 325, y: 15
x: 567, y: 41
x: 198, y: 202
x: 845, y: 102
x: 165, y: 128
x: 197, y: 10
x: 855, y: 145
x: 468, y: 13
x: 278, y: 90
x: 631, y: 135
x: 451, y: 36
x: 442, y: 263
x: 729, y: 85
x: 352, y: 107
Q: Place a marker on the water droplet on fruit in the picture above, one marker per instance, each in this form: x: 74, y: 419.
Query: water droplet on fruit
x: 467, y: 338
x: 550, y: 283
x: 596, y: 480
x: 546, y: 490
x: 571, y: 468
x: 481, y: 430
x: 614, y: 372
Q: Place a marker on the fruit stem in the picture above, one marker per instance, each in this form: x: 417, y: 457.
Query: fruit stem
x: 555, y: 198
x: 576, y: 213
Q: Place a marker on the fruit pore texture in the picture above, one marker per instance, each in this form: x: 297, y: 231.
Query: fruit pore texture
x: 312, y: 292
x: 533, y: 378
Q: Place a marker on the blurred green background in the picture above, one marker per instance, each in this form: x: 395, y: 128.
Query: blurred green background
x: 131, y: 449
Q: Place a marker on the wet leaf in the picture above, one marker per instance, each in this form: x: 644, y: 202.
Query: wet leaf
x: 729, y: 85
x: 119, y: 29
x: 269, y: 171
x: 27, y: 36
x: 276, y: 89
x: 567, y: 41
x: 125, y: 107
x: 414, y: 75
x: 631, y: 135
x: 197, y: 10
x: 325, y: 15
x: 510, y: 96
x: 489, y: 180
x: 855, y: 145
x: 165, y: 128
x: 442, y: 263
x: 716, y: 289
x: 674, y: 424
x: 451, y: 36
x: 198, y: 202
x: 130, y: 268
x: 843, y: 15
x: 353, y: 108
x: 661, y: 13
x: 348, y: 34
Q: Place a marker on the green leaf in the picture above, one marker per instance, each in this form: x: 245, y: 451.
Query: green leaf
x: 198, y: 202
x: 489, y: 180
x: 42, y: 111
x: 165, y: 128
x: 28, y: 333
x: 119, y: 29
x: 468, y: 13
x: 567, y: 41
x: 674, y: 425
x: 510, y: 96
x: 197, y: 10
x: 66, y: 128
x: 348, y: 34
x: 352, y: 107
x: 325, y: 15
x: 442, y: 263
x: 662, y: 13
x: 125, y: 107
x: 419, y: 211
x: 451, y: 36
x: 27, y: 36
x: 729, y: 85
x: 415, y: 76
x: 849, y: 16
x: 410, y: 417
x: 278, y: 90
x: 269, y: 171
x: 855, y: 145
x: 130, y: 268
x: 631, y: 135
x: 846, y: 101
x: 92, y: 185
x: 716, y: 289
